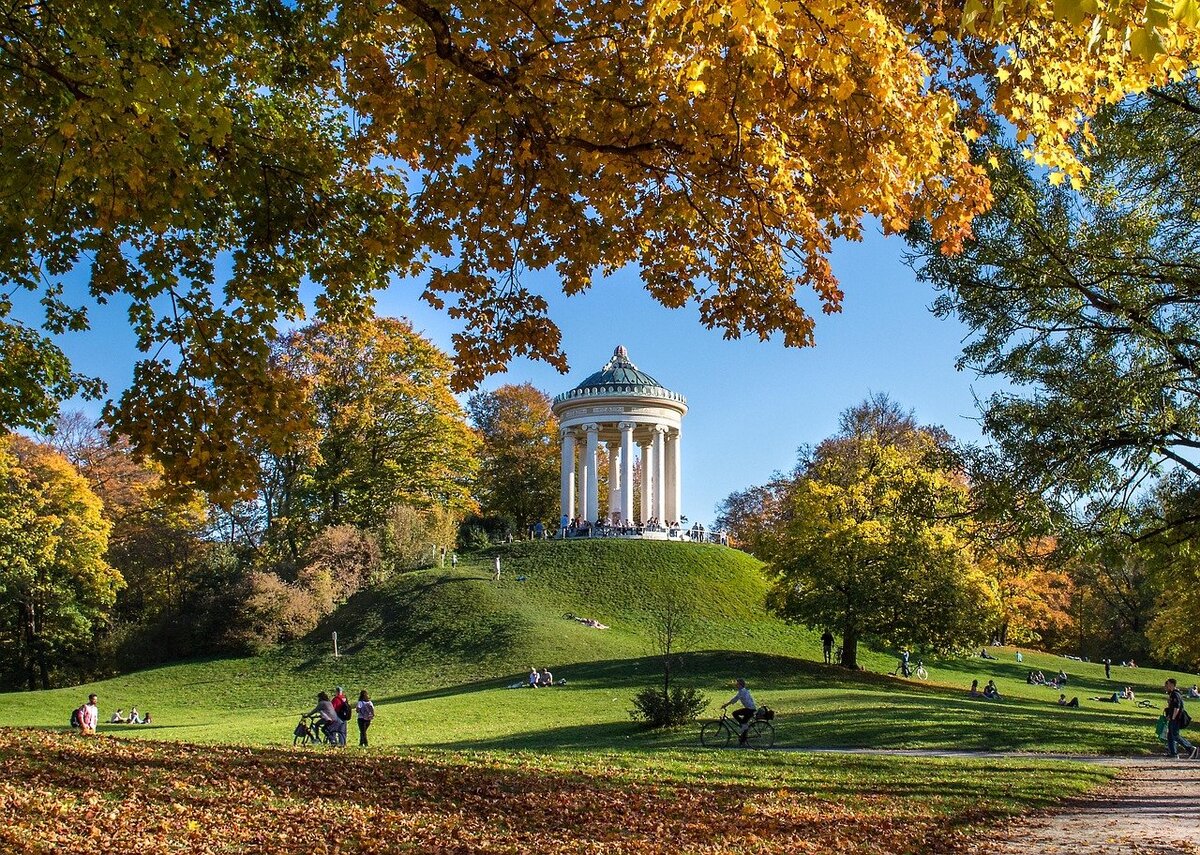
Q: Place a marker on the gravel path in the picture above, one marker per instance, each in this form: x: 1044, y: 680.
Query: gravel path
x: 1153, y: 808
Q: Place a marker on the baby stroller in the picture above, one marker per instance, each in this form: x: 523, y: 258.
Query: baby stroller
x: 308, y: 731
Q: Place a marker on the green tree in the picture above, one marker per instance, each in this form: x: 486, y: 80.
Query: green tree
x: 871, y: 539
x: 519, y: 457
x: 1085, y: 302
x: 385, y: 430
x: 55, y: 587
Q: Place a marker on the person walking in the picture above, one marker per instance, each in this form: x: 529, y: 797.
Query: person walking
x: 827, y: 646
x: 1107, y: 669
x: 744, y: 715
x: 366, y: 715
x: 496, y: 573
x: 1176, y: 718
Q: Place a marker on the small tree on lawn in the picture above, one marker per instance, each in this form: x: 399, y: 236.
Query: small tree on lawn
x: 672, y: 628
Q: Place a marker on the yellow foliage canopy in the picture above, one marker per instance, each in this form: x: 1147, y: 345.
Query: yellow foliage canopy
x: 719, y: 145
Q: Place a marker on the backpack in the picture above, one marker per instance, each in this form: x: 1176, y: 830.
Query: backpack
x: 343, y: 710
x: 77, y: 717
x: 764, y: 714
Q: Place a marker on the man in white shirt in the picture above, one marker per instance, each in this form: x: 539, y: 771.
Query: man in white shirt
x: 744, y: 715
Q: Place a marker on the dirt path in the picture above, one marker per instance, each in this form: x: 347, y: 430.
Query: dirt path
x: 1152, y: 808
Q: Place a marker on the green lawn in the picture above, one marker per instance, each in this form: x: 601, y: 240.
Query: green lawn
x: 436, y: 649
x: 460, y: 757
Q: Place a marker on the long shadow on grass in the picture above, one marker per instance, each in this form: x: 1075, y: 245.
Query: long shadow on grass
x: 875, y: 712
x: 704, y: 668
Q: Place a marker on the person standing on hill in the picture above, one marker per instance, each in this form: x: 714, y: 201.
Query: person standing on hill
x: 366, y: 715
x: 746, y: 713
x: 1107, y: 669
x: 496, y: 573
x: 827, y: 646
x: 1177, y: 717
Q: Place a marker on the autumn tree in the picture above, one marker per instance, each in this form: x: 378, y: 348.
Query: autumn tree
x: 385, y: 430
x: 55, y: 587
x: 871, y: 538
x: 519, y: 456
x: 205, y: 162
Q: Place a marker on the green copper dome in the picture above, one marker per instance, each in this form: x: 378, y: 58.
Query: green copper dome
x: 620, y: 377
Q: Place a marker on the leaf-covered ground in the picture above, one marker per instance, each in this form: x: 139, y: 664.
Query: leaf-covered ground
x: 63, y: 792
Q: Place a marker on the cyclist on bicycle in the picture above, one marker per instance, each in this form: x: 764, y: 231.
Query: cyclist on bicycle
x: 744, y: 715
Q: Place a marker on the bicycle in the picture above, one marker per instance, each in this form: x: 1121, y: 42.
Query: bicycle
x: 717, y: 734
x: 310, y: 731
x: 917, y: 671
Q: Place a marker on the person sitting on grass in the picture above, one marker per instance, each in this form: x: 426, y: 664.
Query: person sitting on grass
x: 1063, y: 702
x: 534, y: 677
x: 1128, y: 695
x: 974, y: 693
x: 1194, y: 691
x: 1039, y: 678
x: 1062, y: 677
x: 545, y: 678
x: 991, y: 692
x: 134, y: 718
x: 146, y: 719
x: 118, y: 717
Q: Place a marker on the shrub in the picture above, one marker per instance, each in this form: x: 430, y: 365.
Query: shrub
x: 339, y: 562
x: 272, y: 611
x: 656, y: 708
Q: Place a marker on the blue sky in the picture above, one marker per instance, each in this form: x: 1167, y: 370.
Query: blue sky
x: 751, y: 403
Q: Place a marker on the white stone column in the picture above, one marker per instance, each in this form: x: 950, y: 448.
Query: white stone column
x: 626, y: 471
x: 592, y: 508
x: 614, y: 479
x: 568, y: 474
x: 581, y: 483
x: 647, y: 467
x: 660, y: 494
x: 674, y: 493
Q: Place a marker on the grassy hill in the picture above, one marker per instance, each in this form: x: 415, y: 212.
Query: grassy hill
x: 437, y: 650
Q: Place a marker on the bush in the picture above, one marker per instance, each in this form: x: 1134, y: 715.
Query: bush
x: 656, y: 708
x: 272, y: 611
x: 338, y: 563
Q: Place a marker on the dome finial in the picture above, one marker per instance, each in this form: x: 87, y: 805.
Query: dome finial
x: 621, y: 352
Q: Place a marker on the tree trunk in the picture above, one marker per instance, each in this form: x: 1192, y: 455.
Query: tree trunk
x: 850, y: 648
x: 27, y: 630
